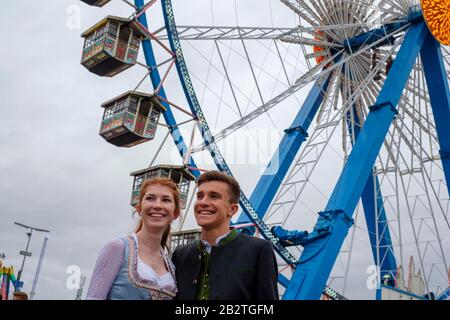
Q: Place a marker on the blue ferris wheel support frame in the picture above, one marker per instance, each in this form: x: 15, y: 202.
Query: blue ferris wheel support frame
x: 376, y: 220
x: 318, y: 257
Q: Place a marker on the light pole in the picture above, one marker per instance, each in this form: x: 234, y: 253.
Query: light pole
x: 26, y: 253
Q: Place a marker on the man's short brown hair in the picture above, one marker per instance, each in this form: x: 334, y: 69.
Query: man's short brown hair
x: 233, y: 185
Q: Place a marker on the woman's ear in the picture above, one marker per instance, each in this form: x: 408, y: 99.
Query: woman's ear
x: 176, y: 214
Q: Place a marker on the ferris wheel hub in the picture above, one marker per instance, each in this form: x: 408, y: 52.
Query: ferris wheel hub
x: 436, y: 14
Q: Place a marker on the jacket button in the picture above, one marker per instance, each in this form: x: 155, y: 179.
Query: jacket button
x: 194, y: 282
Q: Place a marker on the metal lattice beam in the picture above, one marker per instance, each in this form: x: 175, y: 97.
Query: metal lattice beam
x: 226, y: 33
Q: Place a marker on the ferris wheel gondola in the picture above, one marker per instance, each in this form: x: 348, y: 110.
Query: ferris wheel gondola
x: 130, y: 119
x: 97, y: 3
x: 111, y: 46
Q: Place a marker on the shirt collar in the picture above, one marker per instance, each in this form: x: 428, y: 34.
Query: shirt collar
x: 208, y: 247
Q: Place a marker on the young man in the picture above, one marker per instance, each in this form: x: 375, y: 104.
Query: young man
x: 225, y: 264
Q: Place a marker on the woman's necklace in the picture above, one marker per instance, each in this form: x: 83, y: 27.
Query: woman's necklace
x: 152, y: 256
x: 149, y: 254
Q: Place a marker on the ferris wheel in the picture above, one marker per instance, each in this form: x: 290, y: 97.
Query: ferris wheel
x: 357, y: 95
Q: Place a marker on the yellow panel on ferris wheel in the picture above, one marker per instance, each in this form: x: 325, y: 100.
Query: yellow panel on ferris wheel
x: 437, y: 16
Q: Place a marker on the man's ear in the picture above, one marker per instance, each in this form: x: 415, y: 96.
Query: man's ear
x: 138, y: 209
x: 233, y: 209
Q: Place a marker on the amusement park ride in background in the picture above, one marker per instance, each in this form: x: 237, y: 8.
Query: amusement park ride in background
x: 7, y: 279
x: 378, y: 70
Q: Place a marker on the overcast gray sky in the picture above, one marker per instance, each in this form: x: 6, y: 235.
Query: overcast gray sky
x: 56, y: 172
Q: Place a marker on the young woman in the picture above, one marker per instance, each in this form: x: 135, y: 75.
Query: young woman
x: 137, y: 267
